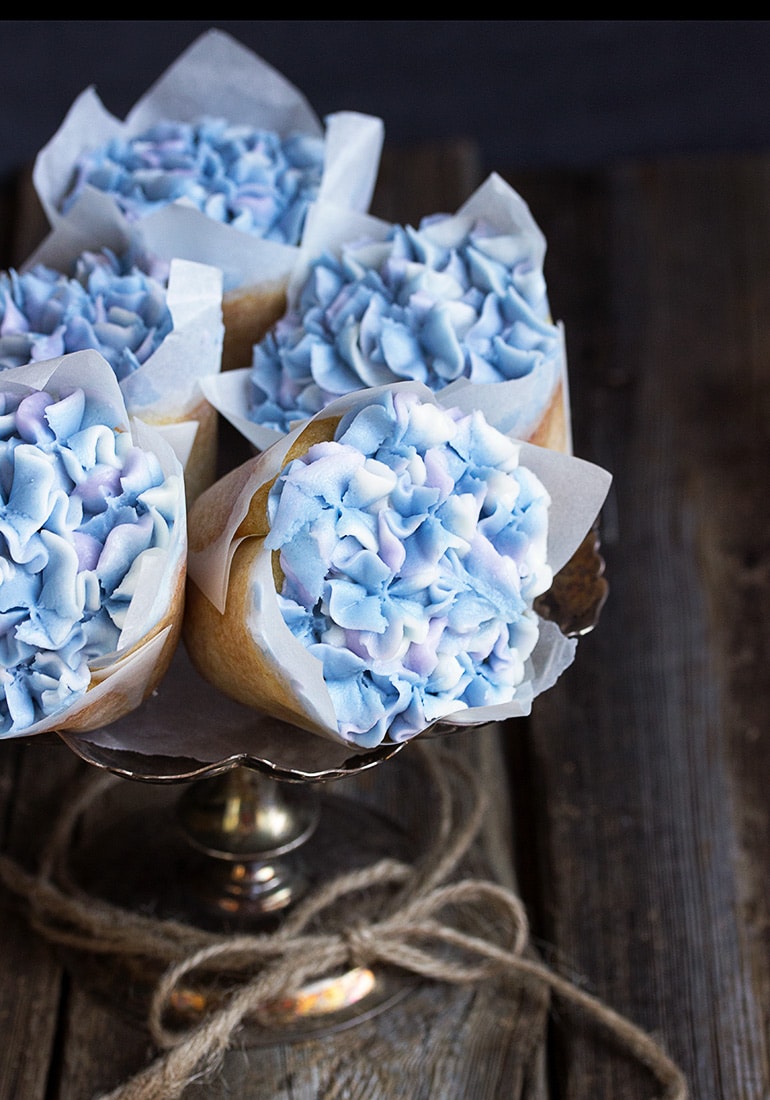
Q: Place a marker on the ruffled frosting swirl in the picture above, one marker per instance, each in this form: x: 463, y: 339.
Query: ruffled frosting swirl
x: 412, y: 546
x: 447, y: 301
x: 109, y: 304
x: 79, y: 505
x: 250, y: 178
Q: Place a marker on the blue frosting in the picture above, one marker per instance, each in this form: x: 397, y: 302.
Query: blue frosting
x: 444, y: 302
x: 249, y: 178
x: 412, y: 546
x: 78, y: 504
x: 109, y: 304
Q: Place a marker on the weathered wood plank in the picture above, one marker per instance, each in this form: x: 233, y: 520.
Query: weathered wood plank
x: 27, y: 224
x: 649, y: 757
x: 427, y: 179
x: 32, y: 982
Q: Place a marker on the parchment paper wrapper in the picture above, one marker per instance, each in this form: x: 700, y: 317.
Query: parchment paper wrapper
x: 234, y: 631
x: 122, y: 680
x: 537, y: 405
x: 217, y: 77
x: 166, y: 389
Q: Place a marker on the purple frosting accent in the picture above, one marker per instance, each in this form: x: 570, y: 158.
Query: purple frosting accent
x: 253, y: 179
x: 109, y: 304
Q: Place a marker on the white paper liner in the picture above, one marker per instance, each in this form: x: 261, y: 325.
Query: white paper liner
x: 577, y: 489
x: 121, y: 680
x: 217, y: 77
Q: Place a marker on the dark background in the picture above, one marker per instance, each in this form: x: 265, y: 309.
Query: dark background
x: 531, y: 93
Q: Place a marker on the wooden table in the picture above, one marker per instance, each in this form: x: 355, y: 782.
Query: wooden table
x: 637, y: 792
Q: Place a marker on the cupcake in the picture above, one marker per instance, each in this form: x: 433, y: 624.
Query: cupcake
x: 218, y: 171
x: 159, y: 335
x: 94, y: 542
x: 458, y: 302
x: 374, y: 572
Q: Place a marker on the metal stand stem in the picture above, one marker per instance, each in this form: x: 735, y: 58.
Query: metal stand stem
x: 247, y: 824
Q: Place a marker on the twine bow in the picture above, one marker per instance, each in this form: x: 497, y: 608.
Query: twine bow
x: 428, y: 930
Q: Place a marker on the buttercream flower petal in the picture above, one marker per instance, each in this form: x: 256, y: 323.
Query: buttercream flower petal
x: 110, y: 303
x: 249, y: 177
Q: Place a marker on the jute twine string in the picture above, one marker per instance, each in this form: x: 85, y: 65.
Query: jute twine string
x: 422, y: 930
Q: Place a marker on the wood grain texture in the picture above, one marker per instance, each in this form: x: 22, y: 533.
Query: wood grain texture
x: 33, y: 984
x: 650, y: 757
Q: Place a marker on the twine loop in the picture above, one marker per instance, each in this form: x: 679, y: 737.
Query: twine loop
x: 433, y: 925
x: 361, y: 942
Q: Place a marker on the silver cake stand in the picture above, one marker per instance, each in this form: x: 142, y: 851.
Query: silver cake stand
x: 258, y: 821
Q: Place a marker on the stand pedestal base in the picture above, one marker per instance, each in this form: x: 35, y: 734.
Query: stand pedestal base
x: 135, y: 851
